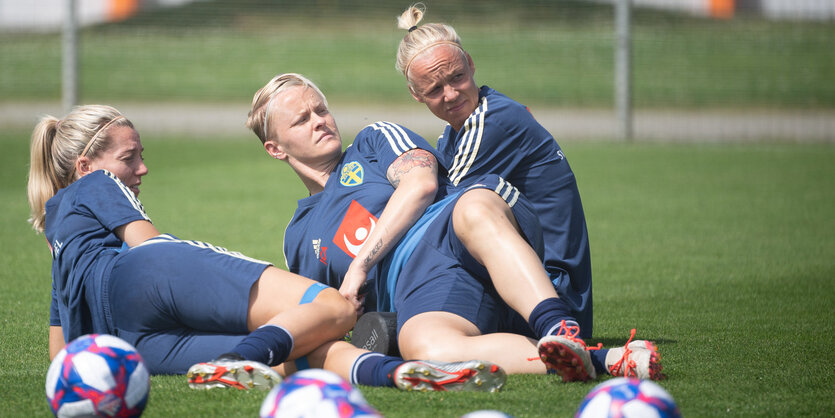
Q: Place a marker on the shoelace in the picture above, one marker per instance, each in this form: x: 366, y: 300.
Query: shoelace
x: 217, y: 376
x: 570, y: 332
x: 629, y: 369
x: 440, y: 385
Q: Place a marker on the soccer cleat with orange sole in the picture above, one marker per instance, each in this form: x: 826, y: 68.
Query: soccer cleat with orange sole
x: 566, y: 356
x: 234, y: 373
x: 471, y: 376
x: 639, y: 359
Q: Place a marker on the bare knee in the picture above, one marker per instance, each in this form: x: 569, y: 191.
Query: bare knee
x: 435, y: 336
x: 340, y: 311
x: 480, y: 210
x: 425, y: 349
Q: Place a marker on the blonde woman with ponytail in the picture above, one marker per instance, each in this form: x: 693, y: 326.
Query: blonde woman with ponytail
x: 489, y: 133
x: 53, y: 164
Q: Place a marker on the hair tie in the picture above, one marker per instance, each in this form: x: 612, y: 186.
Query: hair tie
x: 99, y: 133
x: 420, y: 51
x: 412, y: 28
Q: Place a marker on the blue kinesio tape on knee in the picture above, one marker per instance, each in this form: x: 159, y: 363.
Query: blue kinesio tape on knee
x: 311, y: 293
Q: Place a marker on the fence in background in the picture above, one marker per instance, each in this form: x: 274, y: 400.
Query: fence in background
x: 698, y: 76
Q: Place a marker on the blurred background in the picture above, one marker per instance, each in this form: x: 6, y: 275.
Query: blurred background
x: 699, y: 70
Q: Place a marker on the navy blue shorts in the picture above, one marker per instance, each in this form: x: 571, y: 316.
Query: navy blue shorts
x: 441, y: 275
x: 180, y: 302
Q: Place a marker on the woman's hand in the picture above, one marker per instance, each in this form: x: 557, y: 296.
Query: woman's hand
x: 353, y: 286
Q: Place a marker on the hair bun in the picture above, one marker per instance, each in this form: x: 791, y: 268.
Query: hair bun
x: 409, y: 19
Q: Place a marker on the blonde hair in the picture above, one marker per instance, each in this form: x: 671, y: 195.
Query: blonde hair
x: 421, y: 38
x: 55, y: 147
x: 258, y: 118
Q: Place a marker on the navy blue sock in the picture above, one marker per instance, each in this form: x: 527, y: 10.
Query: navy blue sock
x: 598, y: 360
x: 374, y: 369
x: 546, y: 317
x: 269, y: 344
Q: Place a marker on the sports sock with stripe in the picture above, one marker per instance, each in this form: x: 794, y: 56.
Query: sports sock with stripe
x: 269, y: 344
x: 374, y: 369
x: 547, y: 316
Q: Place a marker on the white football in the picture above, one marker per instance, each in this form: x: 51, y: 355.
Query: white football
x: 628, y: 398
x: 316, y: 393
x: 97, y: 375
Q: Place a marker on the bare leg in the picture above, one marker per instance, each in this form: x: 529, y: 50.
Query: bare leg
x: 336, y: 356
x: 378, y: 370
x: 443, y: 336
x: 274, y: 299
x: 486, y: 226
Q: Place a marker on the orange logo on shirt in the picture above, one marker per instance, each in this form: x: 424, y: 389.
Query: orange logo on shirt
x: 355, y: 228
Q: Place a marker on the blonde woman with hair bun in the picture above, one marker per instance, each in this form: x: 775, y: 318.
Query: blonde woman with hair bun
x: 490, y: 133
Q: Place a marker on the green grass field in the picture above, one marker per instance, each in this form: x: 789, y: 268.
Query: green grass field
x: 543, y: 53
x: 723, y: 254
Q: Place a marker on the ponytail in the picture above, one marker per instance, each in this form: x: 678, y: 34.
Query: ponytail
x: 43, y: 182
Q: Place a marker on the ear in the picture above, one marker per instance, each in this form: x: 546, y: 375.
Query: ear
x: 83, y: 166
x: 414, y: 94
x: 275, y: 150
x: 470, y: 63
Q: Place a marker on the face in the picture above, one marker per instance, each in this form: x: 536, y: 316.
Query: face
x: 303, y: 128
x: 442, y: 78
x: 122, y: 157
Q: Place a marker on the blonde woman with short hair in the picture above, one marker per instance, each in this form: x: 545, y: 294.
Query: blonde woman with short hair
x: 189, y: 307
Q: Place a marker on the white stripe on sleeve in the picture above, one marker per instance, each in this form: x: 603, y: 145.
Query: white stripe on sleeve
x: 468, y: 149
x: 392, y: 136
x: 134, y: 202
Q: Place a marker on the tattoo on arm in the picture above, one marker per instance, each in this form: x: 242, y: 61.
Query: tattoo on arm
x: 407, y: 161
x: 377, y: 247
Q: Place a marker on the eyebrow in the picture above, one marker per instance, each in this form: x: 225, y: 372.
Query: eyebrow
x: 433, y: 85
x: 131, y: 150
